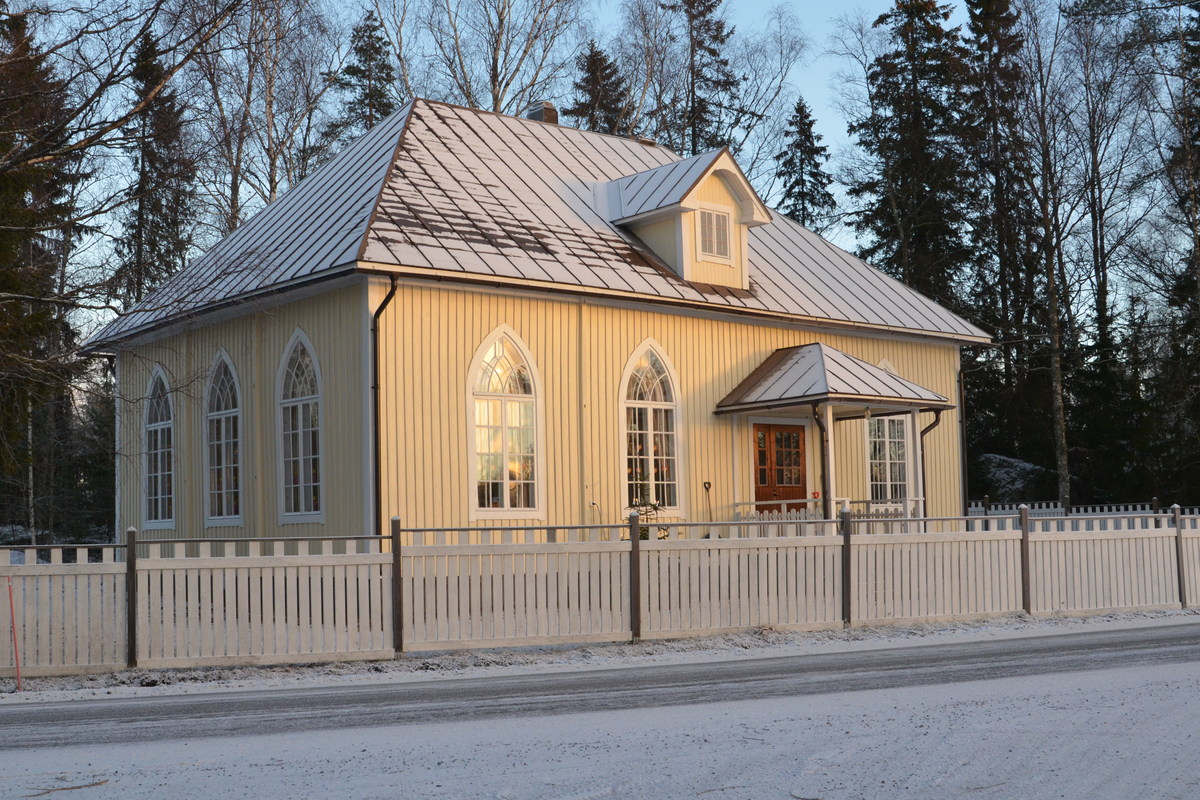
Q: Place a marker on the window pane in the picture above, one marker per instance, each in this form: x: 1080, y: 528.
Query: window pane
x: 722, y: 234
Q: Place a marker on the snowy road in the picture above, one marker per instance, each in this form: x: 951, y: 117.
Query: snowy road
x: 1098, y: 714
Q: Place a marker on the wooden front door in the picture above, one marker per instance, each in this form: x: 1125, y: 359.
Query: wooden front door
x: 779, y: 466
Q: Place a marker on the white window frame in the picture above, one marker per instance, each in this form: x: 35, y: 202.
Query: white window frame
x: 649, y: 345
x: 227, y: 520
x: 730, y: 244
x: 161, y: 523
x: 298, y: 517
x: 538, y: 511
x: 906, y: 438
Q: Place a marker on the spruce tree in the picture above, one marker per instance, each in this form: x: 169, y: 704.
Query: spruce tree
x: 1006, y: 385
x: 158, y: 219
x: 709, y: 82
x: 367, y: 82
x: 602, y: 101
x: 800, y: 165
x: 34, y: 333
x: 914, y: 202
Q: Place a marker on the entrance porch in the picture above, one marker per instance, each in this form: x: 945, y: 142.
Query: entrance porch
x: 821, y: 388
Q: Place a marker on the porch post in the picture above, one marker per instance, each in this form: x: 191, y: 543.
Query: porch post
x: 918, y: 480
x: 824, y: 419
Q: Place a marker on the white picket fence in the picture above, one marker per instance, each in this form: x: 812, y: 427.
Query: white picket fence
x: 278, y: 601
x: 67, y: 613
x: 196, y: 608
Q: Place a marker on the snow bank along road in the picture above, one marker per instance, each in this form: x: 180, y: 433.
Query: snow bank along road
x: 1095, y: 714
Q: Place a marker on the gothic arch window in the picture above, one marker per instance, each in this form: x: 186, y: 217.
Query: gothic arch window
x: 300, y: 451
x: 651, y: 432
x: 160, y: 453
x: 505, y: 428
x: 223, y: 429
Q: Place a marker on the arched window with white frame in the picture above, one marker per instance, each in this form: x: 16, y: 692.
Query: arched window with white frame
x: 505, y: 429
x: 300, y: 432
x: 651, y: 433
x: 160, y: 454
x: 223, y: 444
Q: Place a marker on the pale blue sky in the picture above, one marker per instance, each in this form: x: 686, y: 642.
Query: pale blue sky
x: 815, y: 77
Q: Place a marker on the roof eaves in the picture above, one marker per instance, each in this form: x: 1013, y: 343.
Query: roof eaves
x: 103, y: 346
x: 806, y: 321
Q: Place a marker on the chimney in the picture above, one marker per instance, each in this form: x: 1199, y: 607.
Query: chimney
x: 542, y: 111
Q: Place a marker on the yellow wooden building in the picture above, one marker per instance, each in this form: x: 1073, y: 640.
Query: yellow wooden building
x: 468, y: 319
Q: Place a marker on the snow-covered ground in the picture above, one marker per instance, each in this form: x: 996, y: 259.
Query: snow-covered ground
x: 1119, y: 733
x: 474, y: 663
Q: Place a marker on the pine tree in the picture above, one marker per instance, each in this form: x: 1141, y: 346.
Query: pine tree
x: 915, y: 200
x: 805, y: 197
x: 368, y: 81
x: 709, y: 81
x: 602, y: 101
x: 158, y: 220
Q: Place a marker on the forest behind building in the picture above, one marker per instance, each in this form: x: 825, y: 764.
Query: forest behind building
x: 1034, y: 166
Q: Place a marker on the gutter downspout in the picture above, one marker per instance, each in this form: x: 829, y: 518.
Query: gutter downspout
x: 375, y: 403
x: 937, y: 418
x: 962, y: 440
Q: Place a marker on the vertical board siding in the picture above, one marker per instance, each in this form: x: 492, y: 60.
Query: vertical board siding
x: 335, y: 323
x: 69, y: 618
x: 264, y: 609
x: 580, y: 349
x: 902, y: 577
x: 488, y: 595
x: 1118, y: 569
x: 695, y: 588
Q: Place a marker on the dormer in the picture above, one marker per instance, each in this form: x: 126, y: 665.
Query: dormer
x: 694, y: 214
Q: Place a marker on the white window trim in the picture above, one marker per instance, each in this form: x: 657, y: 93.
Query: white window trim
x: 713, y: 258
x: 909, y: 490
x: 234, y: 520
x: 300, y: 517
x: 538, y: 512
x: 156, y: 373
x: 681, y: 463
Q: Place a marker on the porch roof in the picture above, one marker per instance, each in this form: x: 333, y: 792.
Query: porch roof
x: 818, y: 373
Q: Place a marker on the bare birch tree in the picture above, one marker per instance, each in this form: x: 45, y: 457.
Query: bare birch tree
x: 500, y: 55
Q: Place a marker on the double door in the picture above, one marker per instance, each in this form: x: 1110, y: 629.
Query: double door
x: 779, y: 467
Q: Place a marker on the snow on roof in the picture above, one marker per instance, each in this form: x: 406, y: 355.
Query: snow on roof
x: 811, y: 373
x: 666, y: 185
x: 440, y: 189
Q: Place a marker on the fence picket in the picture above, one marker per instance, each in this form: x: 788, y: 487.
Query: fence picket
x: 233, y: 602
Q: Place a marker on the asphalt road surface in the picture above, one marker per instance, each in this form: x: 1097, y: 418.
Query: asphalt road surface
x: 107, y: 721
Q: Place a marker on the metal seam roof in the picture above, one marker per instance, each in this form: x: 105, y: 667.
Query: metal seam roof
x: 445, y: 188
x: 817, y: 372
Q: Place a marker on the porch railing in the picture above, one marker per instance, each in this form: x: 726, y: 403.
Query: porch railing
x: 907, y: 507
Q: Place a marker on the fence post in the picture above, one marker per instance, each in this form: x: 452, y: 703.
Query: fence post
x: 397, y: 600
x: 846, y: 524
x: 635, y: 577
x: 131, y: 598
x: 1177, y: 512
x: 1026, y: 574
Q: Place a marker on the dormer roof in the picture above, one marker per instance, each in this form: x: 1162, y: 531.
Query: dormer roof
x: 454, y: 194
x: 667, y: 189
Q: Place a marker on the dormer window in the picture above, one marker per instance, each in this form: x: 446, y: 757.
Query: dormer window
x: 695, y: 215
x: 714, y: 234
